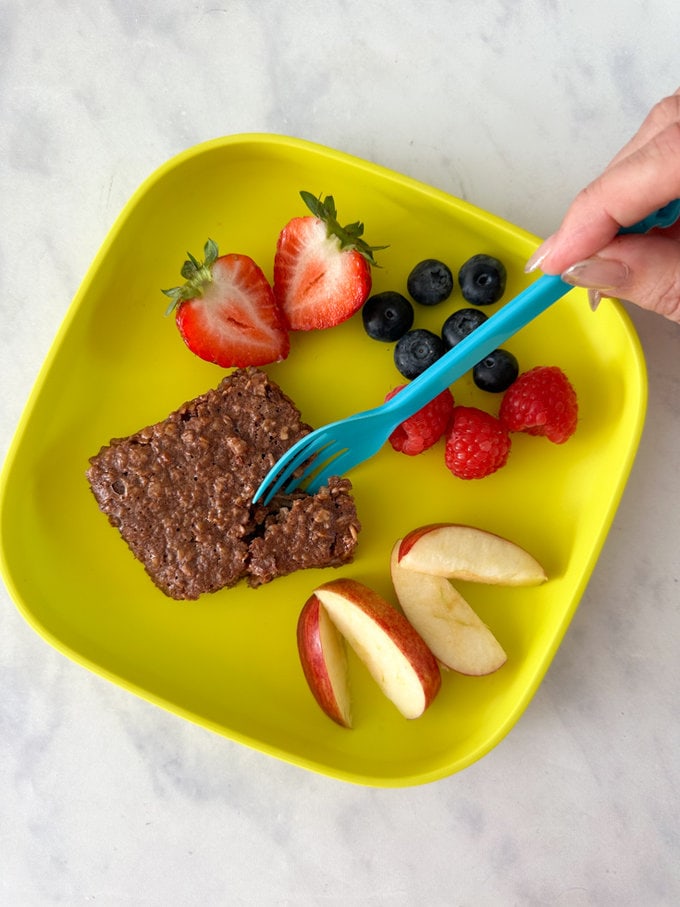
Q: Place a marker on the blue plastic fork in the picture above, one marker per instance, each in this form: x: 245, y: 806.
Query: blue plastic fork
x: 339, y: 446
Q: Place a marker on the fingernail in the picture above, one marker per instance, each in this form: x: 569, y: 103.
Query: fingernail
x: 539, y: 256
x: 597, y: 274
x: 594, y: 299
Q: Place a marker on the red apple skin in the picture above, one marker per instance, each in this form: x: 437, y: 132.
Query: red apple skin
x: 412, y: 537
x: 314, y: 664
x: 397, y: 627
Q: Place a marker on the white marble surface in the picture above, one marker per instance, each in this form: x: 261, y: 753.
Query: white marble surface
x: 513, y: 105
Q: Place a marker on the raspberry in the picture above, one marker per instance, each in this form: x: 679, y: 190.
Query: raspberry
x: 477, y: 444
x: 541, y: 402
x: 424, y: 428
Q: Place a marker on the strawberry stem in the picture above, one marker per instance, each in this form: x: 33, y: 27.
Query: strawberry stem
x: 349, y: 235
x: 197, y: 275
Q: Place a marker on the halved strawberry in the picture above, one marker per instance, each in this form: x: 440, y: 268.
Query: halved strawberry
x: 322, y: 271
x: 226, y: 311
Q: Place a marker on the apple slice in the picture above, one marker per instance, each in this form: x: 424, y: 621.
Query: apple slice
x: 395, y: 655
x: 455, y: 634
x: 465, y: 552
x: 323, y: 656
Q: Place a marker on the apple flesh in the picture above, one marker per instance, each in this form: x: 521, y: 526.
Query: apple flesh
x: 464, y: 552
x: 383, y: 639
x: 323, y: 656
x: 454, y: 633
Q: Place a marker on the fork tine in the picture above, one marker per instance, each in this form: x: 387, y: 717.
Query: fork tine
x: 281, y: 472
x: 270, y: 485
x: 327, y: 454
x: 283, y: 469
x: 338, y: 466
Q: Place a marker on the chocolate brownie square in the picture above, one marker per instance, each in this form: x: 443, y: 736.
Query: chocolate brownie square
x: 180, y: 493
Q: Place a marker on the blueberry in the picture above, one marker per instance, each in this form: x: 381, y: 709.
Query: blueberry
x: 482, y: 279
x: 496, y: 372
x: 430, y: 282
x: 416, y: 351
x: 387, y: 316
x: 460, y: 324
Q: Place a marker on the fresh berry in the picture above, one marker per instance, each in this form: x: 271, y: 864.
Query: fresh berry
x: 477, y: 444
x: 460, y: 324
x: 424, y: 428
x: 226, y: 311
x: 430, y: 282
x: 416, y: 351
x: 496, y: 372
x: 542, y: 401
x: 387, y: 316
x: 482, y: 279
x: 322, y: 271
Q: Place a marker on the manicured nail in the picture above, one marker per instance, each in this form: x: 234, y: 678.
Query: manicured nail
x: 597, y: 274
x: 539, y: 256
x: 594, y: 299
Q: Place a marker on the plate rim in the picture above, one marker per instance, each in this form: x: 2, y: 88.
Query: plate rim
x: 466, y: 208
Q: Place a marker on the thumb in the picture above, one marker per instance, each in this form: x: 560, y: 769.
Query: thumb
x: 644, y: 270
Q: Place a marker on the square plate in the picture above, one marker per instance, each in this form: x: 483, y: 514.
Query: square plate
x: 229, y: 661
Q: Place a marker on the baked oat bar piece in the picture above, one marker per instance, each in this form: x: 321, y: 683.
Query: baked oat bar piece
x: 318, y: 530
x: 180, y: 491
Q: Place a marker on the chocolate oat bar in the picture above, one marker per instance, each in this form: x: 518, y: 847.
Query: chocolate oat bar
x: 180, y: 493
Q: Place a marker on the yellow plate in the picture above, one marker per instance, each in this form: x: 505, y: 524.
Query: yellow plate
x: 229, y: 661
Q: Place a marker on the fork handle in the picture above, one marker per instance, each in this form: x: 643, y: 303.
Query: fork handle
x: 514, y: 315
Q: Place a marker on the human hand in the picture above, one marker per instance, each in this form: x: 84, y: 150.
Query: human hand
x: 585, y: 250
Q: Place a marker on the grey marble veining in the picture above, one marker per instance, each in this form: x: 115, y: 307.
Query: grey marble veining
x: 108, y: 800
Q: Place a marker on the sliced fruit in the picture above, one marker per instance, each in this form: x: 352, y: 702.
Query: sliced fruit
x: 457, y: 551
x: 395, y: 655
x: 322, y: 271
x: 323, y: 655
x: 226, y: 312
x: 454, y: 633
